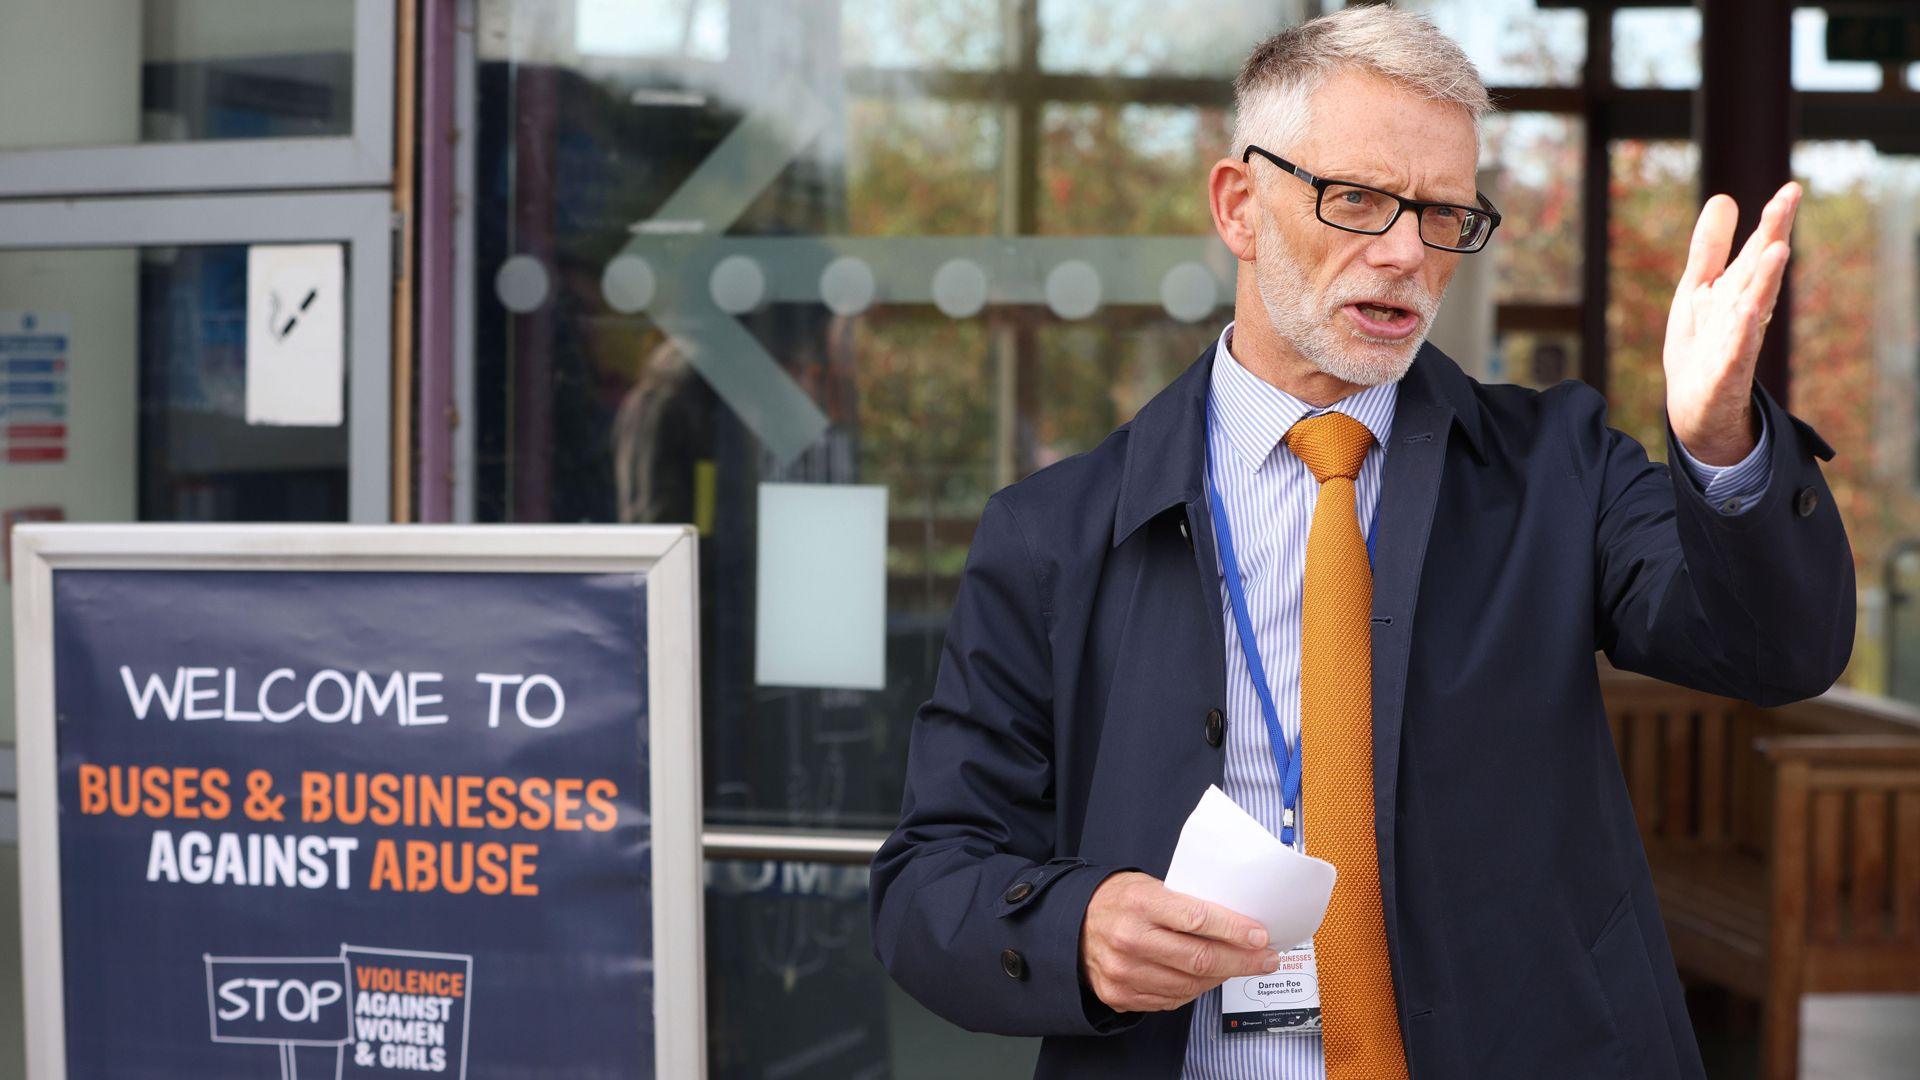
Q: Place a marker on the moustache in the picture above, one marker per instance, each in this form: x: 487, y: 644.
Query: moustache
x: 1418, y: 301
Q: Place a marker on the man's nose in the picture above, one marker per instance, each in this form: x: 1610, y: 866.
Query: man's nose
x: 1399, y: 246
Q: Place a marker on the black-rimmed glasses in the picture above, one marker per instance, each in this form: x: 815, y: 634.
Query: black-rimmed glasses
x: 1358, y: 208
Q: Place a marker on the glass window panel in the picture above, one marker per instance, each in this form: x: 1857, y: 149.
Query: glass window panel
x: 1108, y: 170
x: 123, y: 384
x: 1811, y: 68
x: 922, y: 167
x: 1535, y: 161
x: 1655, y: 200
x: 794, y: 991
x: 1094, y: 375
x: 1513, y: 42
x: 691, y: 281
x: 1856, y: 302
x: 1656, y: 48
x: 693, y: 29
x: 1154, y: 37
x: 1856, y: 288
x: 929, y: 431
x: 123, y: 398
x: 1536, y: 358
x: 178, y: 70
x: 957, y: 35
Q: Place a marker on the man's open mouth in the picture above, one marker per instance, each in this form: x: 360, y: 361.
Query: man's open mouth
x: 1383, y: 320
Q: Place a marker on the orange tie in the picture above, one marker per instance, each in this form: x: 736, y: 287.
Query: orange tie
x: 1360, y: 1026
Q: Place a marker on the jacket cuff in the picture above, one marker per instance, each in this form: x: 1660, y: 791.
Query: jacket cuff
x: 1734, y: 489
x: 1043, y: 909
x: 1790, y: 446
x: 1776, y: 581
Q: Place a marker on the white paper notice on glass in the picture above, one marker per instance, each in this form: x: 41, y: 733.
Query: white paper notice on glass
x: 1225, y: 857
x: 820, y: 617
x: 296, y: 334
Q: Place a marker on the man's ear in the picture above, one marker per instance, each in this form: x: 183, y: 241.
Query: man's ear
x: 1230, y: 197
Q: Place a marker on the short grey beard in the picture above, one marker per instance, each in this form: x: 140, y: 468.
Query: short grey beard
x: 1291, y: 308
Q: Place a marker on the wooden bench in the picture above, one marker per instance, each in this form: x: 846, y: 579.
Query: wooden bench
x: 1785, y: 843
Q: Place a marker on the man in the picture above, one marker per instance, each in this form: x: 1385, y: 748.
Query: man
x: 1328, y: 571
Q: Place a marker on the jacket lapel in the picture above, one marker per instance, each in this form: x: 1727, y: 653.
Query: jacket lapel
x: 1165, y: 468
x: 1434, y: 396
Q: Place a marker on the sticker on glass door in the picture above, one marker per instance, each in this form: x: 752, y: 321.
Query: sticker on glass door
x: 34, y: 385
x: 296, y: 334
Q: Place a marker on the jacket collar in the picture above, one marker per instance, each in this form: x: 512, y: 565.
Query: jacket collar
x: 1166, y: 441
x: 1255, y: 415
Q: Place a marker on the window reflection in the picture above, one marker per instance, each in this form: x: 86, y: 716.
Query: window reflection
x: 959, y: 35
x: 1537, y: 158
x: 793, y: 990
x: 923, y: 168
x: 174, y: 71
x: 1513, y: 42
x: 1811, y: 68
x: 1153, y: 37
x: 696, y: 29
x: 1656, y: 48
x: 836, y: 269
x: 1654, y: 199
x: 1856, y: 302
x: 1536, y: 358
x: 1129, y: 169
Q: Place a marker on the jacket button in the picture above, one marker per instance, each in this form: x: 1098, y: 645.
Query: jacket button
x: 1013, y: 964
x: 1216, y: 727
x: 1807, y: 500
x: 1019, y: 892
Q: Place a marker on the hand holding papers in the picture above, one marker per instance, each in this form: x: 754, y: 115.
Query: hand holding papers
x: 1227, y: 858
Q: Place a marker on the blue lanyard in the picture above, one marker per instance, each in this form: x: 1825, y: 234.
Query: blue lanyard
x: 1286, y: 762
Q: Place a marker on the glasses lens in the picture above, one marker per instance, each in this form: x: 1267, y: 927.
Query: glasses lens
x: 1454, y: 227
x: 1355, y: 208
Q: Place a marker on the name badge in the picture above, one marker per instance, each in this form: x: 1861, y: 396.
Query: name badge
x: 1287, y: 1002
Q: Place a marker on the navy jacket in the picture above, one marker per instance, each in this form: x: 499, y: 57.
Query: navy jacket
x: 1069, y: 731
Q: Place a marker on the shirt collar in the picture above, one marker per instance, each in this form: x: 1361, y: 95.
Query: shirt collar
x: 1255, y: 414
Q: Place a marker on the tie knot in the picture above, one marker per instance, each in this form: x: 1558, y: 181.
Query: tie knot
x: 1332, y: 444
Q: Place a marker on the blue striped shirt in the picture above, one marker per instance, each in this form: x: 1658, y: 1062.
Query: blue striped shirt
x: 1269, y: 496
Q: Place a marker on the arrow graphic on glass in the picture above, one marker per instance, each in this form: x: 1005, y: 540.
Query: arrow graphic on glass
x: 695, y: 283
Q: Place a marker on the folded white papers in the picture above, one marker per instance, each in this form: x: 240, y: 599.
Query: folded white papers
x: 1227, y: 858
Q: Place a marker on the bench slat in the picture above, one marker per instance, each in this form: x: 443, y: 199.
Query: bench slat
x: 1860, y: 969
x: 1644, y: 781
x: 1827, y: 846
x: 1906, y: 866
x: 1677, y: 735
x: 1713, y: 774
x: 1867, y: 891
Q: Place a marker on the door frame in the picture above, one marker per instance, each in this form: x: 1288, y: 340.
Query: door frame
x: 363, y: 221
x: 364, y: 157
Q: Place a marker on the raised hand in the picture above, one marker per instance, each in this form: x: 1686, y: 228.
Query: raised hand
x: 1146, y: 948
x: 1720, y: 313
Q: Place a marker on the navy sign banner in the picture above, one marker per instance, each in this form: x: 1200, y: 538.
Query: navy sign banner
x: 353, y: 824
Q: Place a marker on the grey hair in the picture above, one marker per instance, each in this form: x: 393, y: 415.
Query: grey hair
x: 1273, y: 95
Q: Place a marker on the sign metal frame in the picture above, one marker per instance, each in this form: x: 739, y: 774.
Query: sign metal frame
x: 666, y: 554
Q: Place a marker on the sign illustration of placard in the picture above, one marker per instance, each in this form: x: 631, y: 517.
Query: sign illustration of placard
x: 392, y: 1010
x: 359, y: 802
